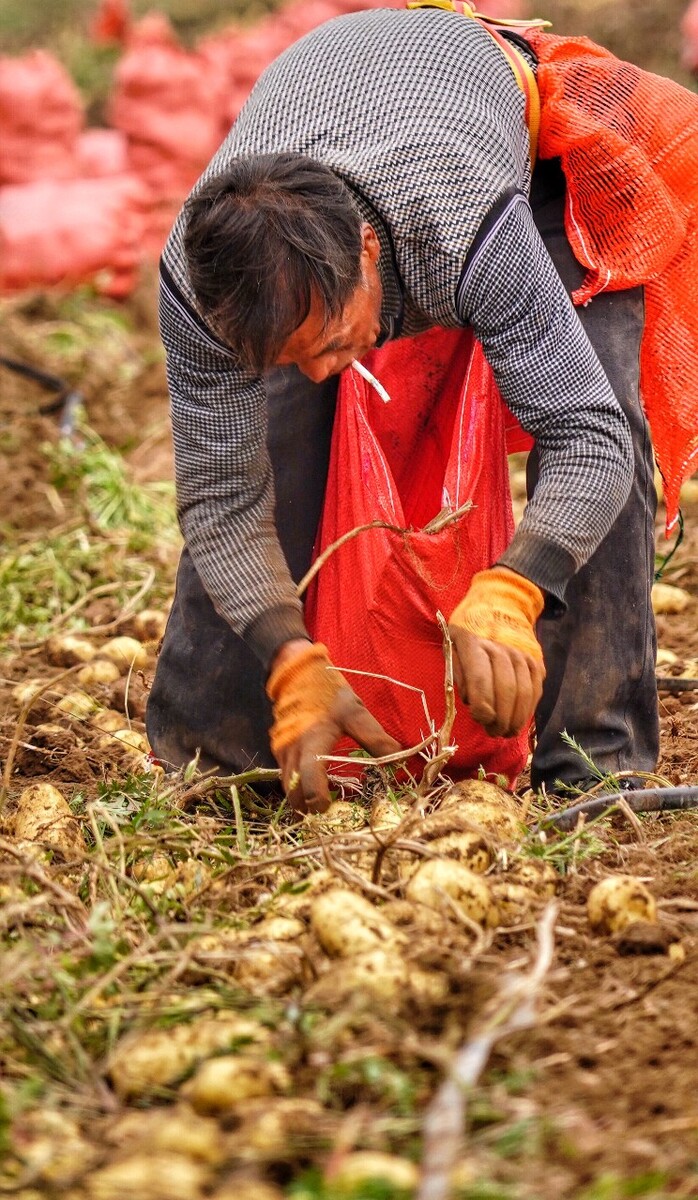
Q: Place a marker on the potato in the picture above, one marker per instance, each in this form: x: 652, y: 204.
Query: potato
x: 298, y: 904
x: 247, y: 1189
x: 427, y: 987
x: 100, y: 670
x: 54, y: 1148
x: 66, y: 650
x: 77, y: 704
x: 341, y: 817
x: 108, y: 719
x: 142, y: 1062
x: 220, y: 1084
x: 668, y: 599
x: 515, y: 902
x: 480, y: 791
x: 439, y: 879
x: 149, y: 1176
x: 271, y: 1123
x: 149, y: 625
x: 24, y: 692
x: 666, y: 658
x: 263, y: 959
x: 361, y: 1167
x: 617, y: 901
x: 471, y: 849
x: 536, y: 874
x: 347, y: 924
x: 126, y: 652
x: 178, y: 1129
x: 154, y: 872
x: 44, y: 815
x: 386, y: 813
x: 485, y: 805
x: 380, y: 974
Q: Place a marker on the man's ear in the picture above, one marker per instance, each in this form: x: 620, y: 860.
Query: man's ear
x: 369, y: 242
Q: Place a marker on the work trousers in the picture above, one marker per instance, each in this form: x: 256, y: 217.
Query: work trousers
x: 208, y: 692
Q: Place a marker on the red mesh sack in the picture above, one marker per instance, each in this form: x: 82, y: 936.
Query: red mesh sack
x: 628, y: 141
x: 438, y: 444
x: 41, y: 116
x: 73, y: 231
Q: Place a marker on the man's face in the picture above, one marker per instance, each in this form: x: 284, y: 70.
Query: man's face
x: 320, y: 350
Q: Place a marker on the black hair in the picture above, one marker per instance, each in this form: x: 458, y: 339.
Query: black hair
x: 262, y: 240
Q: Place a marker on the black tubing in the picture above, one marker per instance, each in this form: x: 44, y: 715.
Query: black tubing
x: 642, y: 800
x: 670, y: 683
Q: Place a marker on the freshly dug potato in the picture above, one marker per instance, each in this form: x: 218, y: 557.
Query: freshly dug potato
x: 485, y: 805
x: 179, y: 1130
x: 100, y: 670
x: 361, y: 1167
x: 149, y: 625
x: 247, y: 1189
x: 536, y: 874
x: 263, y: 959
x: 516, y: 903
x: 387, y: 813
x: 44, y: 815
x: 617, y: 901
x: 126, y: 652
x: 109, y: 720
x: 470, y: 849
x: 77, y: 704
x: 220, y: 1084
x: 341, y: 817
x: 666, y: 658
x: 346, y: 924
x: 54, y: 1148
x: 667, y: 599
x: 24, y: 692
x: 480, y: 791
x: 271, y: 1124
x: 439, y: 879
x: 154, y: 872
x: 148, y: 1176
x: 67, y: 650
x: 429, y: 988
x: 143, y: 1062
x: 299, y: 903
x: 380, y: 974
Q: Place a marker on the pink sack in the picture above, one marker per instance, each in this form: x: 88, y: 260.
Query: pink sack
x: 41, y: 116
x: 72, y: 231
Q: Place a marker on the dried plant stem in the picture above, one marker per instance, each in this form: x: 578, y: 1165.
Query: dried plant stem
x: 444, y: 749
x: 445, y: 1116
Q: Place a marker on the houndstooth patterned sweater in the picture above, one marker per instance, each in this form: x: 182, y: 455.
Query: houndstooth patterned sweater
x: 420, y: 115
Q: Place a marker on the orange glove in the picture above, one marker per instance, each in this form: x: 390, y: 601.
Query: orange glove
x: 498, y: 663
x: 313, y: 707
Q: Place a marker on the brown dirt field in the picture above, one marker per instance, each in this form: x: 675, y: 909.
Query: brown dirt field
x: 600, y: 1099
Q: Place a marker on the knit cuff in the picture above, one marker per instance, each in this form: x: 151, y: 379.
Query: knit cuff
x: 545, y: 563
x: 268, y: 633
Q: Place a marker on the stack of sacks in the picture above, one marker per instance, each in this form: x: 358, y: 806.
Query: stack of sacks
x: 69, y: 209
x: 170, y: 105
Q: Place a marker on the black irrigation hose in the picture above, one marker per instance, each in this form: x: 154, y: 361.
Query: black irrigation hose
x: 67, y: 401
x: 641, y: 801
x: 670, y: 683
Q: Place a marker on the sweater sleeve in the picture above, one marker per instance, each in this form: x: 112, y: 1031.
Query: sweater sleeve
x: 550, y: 377
x: 225, y: 492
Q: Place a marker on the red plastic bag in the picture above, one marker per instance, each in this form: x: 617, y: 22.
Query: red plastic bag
x: 438, y: 444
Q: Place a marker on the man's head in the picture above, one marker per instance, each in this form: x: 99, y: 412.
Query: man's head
x: 282, y: 265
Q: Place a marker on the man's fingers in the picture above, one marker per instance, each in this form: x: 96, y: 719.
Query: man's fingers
x: 500, y: 685
x: 313, y: 774
x: 476, y: 683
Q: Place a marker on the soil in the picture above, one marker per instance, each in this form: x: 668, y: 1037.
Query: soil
x: 604, y: 1087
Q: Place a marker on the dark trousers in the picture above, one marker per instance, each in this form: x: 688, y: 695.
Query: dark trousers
x: 208, y: 691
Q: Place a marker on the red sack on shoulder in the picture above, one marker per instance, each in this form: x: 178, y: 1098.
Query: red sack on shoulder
x: 438, y: 444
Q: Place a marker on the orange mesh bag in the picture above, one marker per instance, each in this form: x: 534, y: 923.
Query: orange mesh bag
x: 438, y: 445
x: 628, y: 141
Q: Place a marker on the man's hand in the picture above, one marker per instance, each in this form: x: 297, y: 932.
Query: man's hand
x: 313, y: 707
x: 498, y: 663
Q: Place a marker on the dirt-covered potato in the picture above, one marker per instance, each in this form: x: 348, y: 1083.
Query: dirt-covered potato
x: 100, y: 670
x: 516, y: 903
x: 429, y: 988
x: 346, y: 924
x: 126, y: 652
x: 143, y: 1062
x: 617, y: 901
x: 362, y: 1167
x: 77, y: 704
x: 108, y: 719
x: 441, y: 880
x: 178, y: 1129
x: 298, y: 903
x: 271, y: 1124
x: 149, y: 625
x: 341, y: 817
x: 386, y: 813
x: 24, y: 692
x: 149, y: 1176
x: 485, y: 805
x: 44, y: 815
x: 667, y: 598
x: 469, y: 848
x: 53, y: 1148
x: 480, y: 791
x: 380, y: 974
x: 247, y: 1189
x: 67, y: 650
x: 221, y: 1084
x: 536, y: 874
